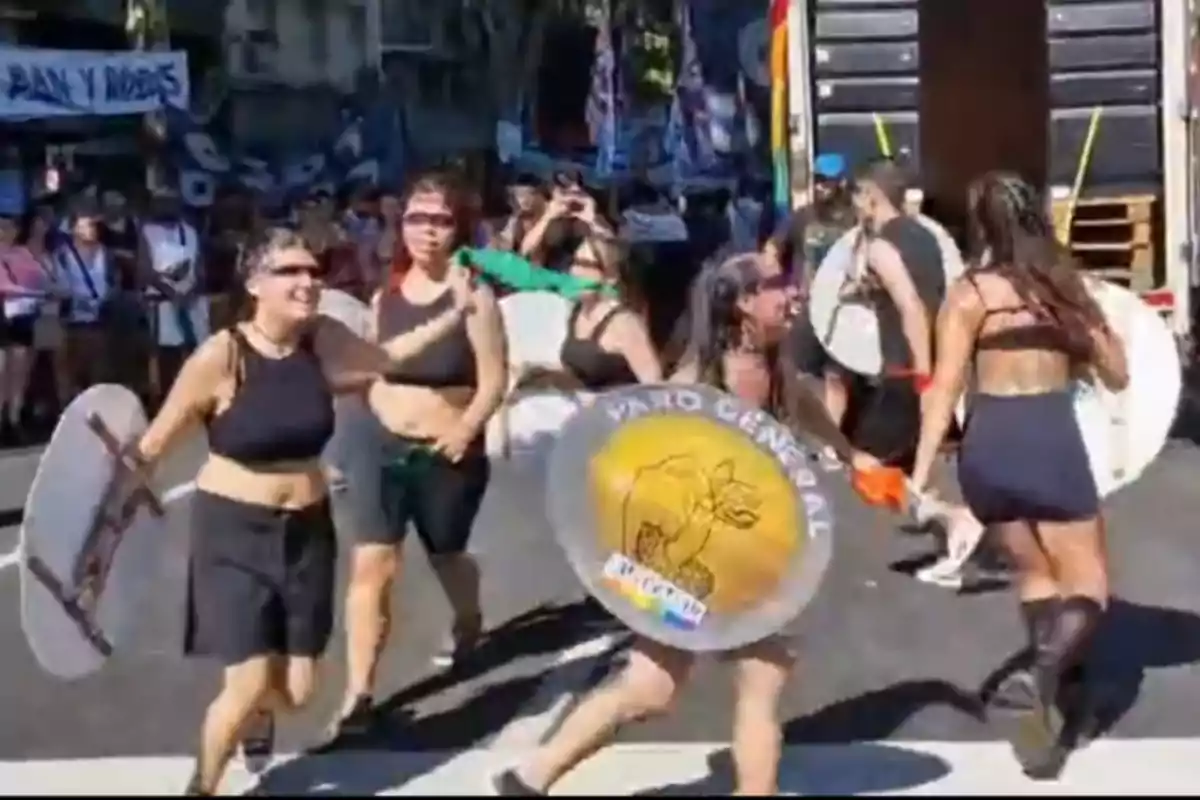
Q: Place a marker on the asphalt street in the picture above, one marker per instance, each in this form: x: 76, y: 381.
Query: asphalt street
x: 886, y: 659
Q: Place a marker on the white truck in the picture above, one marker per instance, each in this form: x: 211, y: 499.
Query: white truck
x: 858, y: 67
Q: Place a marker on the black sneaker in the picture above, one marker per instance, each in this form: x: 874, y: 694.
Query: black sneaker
x: 359, y: 720
x: 509, y: 784
x: 258, y: 746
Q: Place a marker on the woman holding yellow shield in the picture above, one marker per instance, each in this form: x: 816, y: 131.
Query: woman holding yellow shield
x: 740, y: 315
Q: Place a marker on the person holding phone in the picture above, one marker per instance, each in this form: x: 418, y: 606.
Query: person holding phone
x: 550, y: 242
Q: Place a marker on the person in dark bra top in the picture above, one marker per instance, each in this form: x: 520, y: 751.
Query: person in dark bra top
x: 433, y: 410
x: 1026, y: 325
x: 607, y: 345
x: 261, y: 568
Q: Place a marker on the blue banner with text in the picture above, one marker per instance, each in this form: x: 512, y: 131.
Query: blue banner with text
x: 36, y: 83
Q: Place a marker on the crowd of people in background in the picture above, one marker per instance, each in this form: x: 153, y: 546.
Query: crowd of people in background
x: 103, y: 285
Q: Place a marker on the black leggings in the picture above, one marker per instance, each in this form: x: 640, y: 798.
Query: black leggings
x: 260, y: 580
x: 440, y: 498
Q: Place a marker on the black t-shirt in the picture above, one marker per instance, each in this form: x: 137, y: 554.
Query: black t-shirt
x: 922, y: 258
x: 803, y: 238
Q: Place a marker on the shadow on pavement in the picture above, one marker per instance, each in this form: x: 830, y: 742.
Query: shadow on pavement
x: 434, y: 738
x: 873, y: 716
x: 1131, y: 639
x: 830, y: 772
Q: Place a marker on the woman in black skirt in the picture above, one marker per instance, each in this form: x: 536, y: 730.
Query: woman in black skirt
x: 1024, y: 321
x: 261, y: 570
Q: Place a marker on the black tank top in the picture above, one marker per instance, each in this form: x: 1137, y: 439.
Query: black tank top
x: 282, y: 408
x: 595, y: 368
x: 450, y: 361
x: 922, y: 258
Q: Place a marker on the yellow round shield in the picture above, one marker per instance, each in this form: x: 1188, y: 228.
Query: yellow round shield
x: 699, y: 504
x: 693, y: 518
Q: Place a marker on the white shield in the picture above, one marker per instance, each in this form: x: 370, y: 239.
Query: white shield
x: 849, y: 328
x: 72, y: 480
x: 535, y: 324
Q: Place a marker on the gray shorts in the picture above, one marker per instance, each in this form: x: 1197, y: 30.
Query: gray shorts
x: 352, y: 459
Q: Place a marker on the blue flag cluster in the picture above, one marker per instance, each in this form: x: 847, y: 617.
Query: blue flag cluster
x: 368, y: 147
x: 713, y: 131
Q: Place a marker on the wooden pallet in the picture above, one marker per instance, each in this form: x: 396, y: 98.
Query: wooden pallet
x: 1113, y: 237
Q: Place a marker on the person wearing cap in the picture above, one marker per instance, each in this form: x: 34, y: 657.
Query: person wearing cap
x: 799, y: 245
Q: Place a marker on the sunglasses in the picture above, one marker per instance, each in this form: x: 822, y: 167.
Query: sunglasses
x: 433, y: 220
x: 296, y: 270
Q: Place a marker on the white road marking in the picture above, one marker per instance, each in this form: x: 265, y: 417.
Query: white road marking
x: 1155, y: 767
x: 173, y: 494
x: 179, y: 492
x: 10, y: 559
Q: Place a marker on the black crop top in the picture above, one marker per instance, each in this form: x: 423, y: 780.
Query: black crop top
x: 282, y: 408
x: 593, y: 366
x: 448, y: 362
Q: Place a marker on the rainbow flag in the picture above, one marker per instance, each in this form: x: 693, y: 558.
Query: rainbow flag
x: 779, y: 106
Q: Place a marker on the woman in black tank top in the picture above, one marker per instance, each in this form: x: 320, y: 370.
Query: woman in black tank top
x: 740, y: 312
x: 261, y: 568
x: 607, y: 344
x: 1025, y: 324
x: 433, y: 410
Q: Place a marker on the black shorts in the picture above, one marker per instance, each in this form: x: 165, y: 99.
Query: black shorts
x: 19, y: 331
x: 440, y: 498
x: 885, y: 420
x: 260, y: 580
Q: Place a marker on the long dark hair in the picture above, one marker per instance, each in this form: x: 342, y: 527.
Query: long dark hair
x: 458, y: 199
x: 1011, y: 234
x: 716, y: 320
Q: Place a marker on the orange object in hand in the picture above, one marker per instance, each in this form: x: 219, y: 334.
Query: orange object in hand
x: 883, y: 487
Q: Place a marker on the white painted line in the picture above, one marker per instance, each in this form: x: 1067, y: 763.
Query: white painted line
x: 178, y: 492
x: 170, y: 496
x: 10, y: 559
x: 1145, y: 767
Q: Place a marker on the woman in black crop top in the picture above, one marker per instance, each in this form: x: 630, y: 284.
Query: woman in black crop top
x: 1026, y: 324
x: 261, y: 570
x: 607, y: 344
x: 739, y: 312
x: 434, y: 410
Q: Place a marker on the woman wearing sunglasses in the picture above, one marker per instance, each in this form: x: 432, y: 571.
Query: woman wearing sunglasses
x: 261, y: 569
x: 434, y: 409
